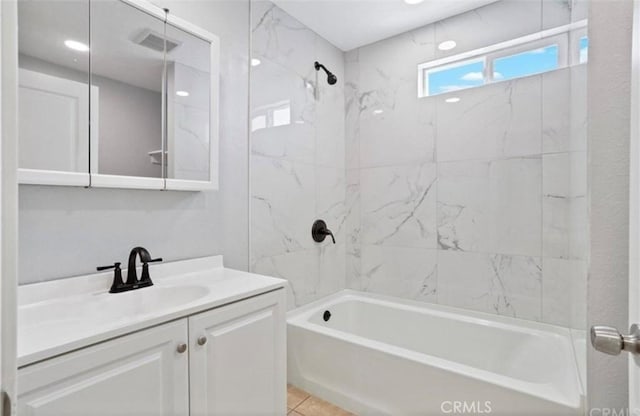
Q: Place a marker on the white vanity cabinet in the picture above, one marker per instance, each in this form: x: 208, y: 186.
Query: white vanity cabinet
x: 238, y: 357
x: 227, y: 360
x: 138, y: 374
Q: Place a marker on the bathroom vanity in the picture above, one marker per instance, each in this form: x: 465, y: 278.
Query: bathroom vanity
x: 203, y: 340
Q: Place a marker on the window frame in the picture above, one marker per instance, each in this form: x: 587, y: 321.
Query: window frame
x: 427, y: 72
x: 562, y: 36
x: 561, y: 41
x: 574, y: 38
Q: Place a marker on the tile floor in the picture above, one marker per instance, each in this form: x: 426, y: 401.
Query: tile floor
x: 301, y: 403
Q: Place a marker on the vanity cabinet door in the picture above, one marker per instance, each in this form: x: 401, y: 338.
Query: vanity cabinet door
x: 138, y: 374
x: 237, y: 358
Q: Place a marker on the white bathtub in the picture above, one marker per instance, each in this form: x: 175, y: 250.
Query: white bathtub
x: 387, y: 356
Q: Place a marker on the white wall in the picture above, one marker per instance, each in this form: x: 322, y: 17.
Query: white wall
x: 78, y: 229
x: 130, y: 128
x: 297, y: 168
x: 609, y: 103
x: 480, y: 203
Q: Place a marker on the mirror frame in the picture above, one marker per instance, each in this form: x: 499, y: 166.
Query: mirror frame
x: 96, y: 180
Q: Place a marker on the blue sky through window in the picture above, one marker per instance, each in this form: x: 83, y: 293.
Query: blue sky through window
x: 526, y: 63
x: 470, y: 73
x: 465, y: 75
x: 584, y: 49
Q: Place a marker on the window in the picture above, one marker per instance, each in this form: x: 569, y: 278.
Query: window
x: 454, y: 77
x: 584, y: 50
x: 526, y: 63
x: 529, y: 55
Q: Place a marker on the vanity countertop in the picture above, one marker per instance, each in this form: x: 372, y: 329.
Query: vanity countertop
x: 64, y: 315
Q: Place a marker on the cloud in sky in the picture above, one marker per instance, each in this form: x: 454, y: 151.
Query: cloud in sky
x: 472, y: 76
x: 478, y: 76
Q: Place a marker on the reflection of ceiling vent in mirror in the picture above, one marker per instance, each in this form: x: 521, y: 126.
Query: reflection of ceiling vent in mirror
x: 154, y: 40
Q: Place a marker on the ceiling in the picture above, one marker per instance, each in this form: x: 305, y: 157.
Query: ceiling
x: 349, y: 24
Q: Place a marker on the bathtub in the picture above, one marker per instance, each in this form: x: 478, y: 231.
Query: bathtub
x: 376, y: 355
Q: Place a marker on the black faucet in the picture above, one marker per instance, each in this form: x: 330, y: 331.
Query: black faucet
x: 132, y: 276
x: 319, y: 231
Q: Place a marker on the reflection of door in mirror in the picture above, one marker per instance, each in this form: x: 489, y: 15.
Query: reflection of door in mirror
x: 53, y: 85
x: 188, y: 107
x: 127, y: 64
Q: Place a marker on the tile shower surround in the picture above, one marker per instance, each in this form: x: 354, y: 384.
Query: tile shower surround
x: 487, y: 214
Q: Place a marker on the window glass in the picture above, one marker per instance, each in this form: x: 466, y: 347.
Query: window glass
x: 526, y: 63
x: 584, y: 49
x: 455, y: 77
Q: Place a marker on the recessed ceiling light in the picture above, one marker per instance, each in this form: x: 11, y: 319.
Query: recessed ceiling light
x: 182, y: 93
x: 447, y: 45
x: 378, y: 111
x: 413, y: 1
x: 452, y: 100
x: 255, y: 61
x: 75, y: 45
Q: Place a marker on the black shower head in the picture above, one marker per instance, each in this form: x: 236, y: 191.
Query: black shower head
x: 331, y: 79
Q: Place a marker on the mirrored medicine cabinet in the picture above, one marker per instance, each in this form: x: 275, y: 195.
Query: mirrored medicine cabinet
x: 117, y: 94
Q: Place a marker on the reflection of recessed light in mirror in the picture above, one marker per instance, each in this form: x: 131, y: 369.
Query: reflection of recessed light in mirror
x: 452, y: 100
x: 413, y: 1
x: 378, y: 111
x: 447, y: 45
x: 255, y: 61
x: 182, y: 93
x: 75, y: 45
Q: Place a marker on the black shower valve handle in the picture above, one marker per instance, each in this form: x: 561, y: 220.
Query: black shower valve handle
x: 328, y: 232
x: 319, y: 232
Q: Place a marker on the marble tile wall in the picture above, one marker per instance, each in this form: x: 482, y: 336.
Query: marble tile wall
x: 297, y: 155
x: 478, y: 204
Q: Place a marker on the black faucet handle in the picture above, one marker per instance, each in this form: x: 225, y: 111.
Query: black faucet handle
x: 117, y: 285
x: 319, y: 232
x: 115, y: 265
x: 145, y: 279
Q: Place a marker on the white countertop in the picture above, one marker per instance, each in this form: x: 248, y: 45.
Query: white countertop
x: 64, y: 315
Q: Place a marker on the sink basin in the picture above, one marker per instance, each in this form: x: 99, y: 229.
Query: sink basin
x: 147, y: 300
x: 106, y: 308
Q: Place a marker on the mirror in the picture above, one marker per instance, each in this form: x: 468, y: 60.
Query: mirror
x: 53, y: 86
x: 189, y: 98
x: 128, y: 100
x: 127, y: 64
